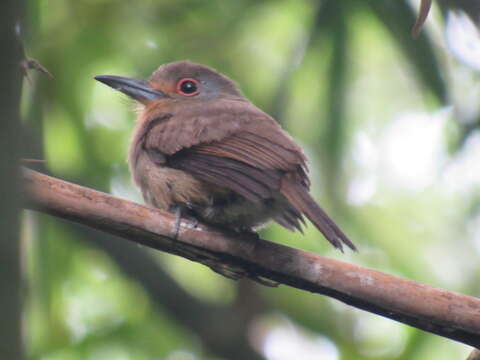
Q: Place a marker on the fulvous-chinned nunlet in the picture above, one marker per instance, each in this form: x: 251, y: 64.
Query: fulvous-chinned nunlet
x: 200, y: 148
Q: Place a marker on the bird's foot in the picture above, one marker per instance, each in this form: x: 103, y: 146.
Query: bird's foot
x: 234, y: 273
x: 252, y: 234
x: 229, y: 272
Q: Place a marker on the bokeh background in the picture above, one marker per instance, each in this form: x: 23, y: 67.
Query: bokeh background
x: 390, y: 124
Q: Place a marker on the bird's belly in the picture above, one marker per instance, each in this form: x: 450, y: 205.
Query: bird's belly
x: 167, y: 188
x: 236, y: 213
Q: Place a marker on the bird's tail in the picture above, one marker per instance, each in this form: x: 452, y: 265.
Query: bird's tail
x: 298, y: 196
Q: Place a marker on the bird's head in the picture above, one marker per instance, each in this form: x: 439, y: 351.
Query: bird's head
x: 181, y: 80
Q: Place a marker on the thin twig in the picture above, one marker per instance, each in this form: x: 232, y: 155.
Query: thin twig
x: 425, y: 6
x: 445, y: 313
x: 24, y: 160
x: 27, y: 63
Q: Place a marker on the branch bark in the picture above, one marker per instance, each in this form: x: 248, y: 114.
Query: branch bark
x: 474, y: 355
x: 438, y: 311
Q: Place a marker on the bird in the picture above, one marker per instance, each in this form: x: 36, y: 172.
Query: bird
x: 200, y: 149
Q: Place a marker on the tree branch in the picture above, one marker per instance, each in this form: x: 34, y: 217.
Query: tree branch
x: 438, y: 311
x: 475, y: 355
x: 206, y: 321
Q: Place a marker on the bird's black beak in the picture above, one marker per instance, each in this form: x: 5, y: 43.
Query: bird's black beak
x: 139, y: 90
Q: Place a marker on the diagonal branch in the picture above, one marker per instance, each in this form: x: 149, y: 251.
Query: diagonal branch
x: 207, y: 321
x: 438, y: 311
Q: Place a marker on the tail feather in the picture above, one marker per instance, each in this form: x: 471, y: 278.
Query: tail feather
x: 291, y: 219
x: 301, y: 200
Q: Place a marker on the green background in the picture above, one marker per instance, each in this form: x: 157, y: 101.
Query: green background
x: 389, y: 123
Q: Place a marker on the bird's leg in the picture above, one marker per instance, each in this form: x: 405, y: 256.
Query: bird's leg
x: 178, y: 219
x: 192, y: 218
x: 180, y: 211
x: 250, y: 232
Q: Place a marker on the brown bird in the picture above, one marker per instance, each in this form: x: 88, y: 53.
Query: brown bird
x: 201, y: 149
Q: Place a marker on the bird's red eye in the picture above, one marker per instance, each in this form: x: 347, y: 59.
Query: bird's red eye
x: 187, y: 87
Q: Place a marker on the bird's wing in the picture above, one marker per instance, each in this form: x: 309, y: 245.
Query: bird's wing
x: 257, y: 160
x: 246, y: 163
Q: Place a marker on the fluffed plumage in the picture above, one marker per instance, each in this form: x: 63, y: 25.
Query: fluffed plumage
x: 214, y: 154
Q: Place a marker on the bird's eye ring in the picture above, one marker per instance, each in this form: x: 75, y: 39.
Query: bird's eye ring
x: 188, y: 87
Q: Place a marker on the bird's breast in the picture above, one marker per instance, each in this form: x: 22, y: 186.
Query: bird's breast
x: 164, y: 187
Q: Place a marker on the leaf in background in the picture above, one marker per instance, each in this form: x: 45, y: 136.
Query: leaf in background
x: 471, y: 7
x: 336, y: 94
x: 397, y: 17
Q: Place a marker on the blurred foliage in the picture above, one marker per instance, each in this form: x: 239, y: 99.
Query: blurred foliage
x: 11, y: 295
x: 390, y: 125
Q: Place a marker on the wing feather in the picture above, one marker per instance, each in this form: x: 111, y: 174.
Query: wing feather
x: 252, y: 183
x: 224, y: 147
